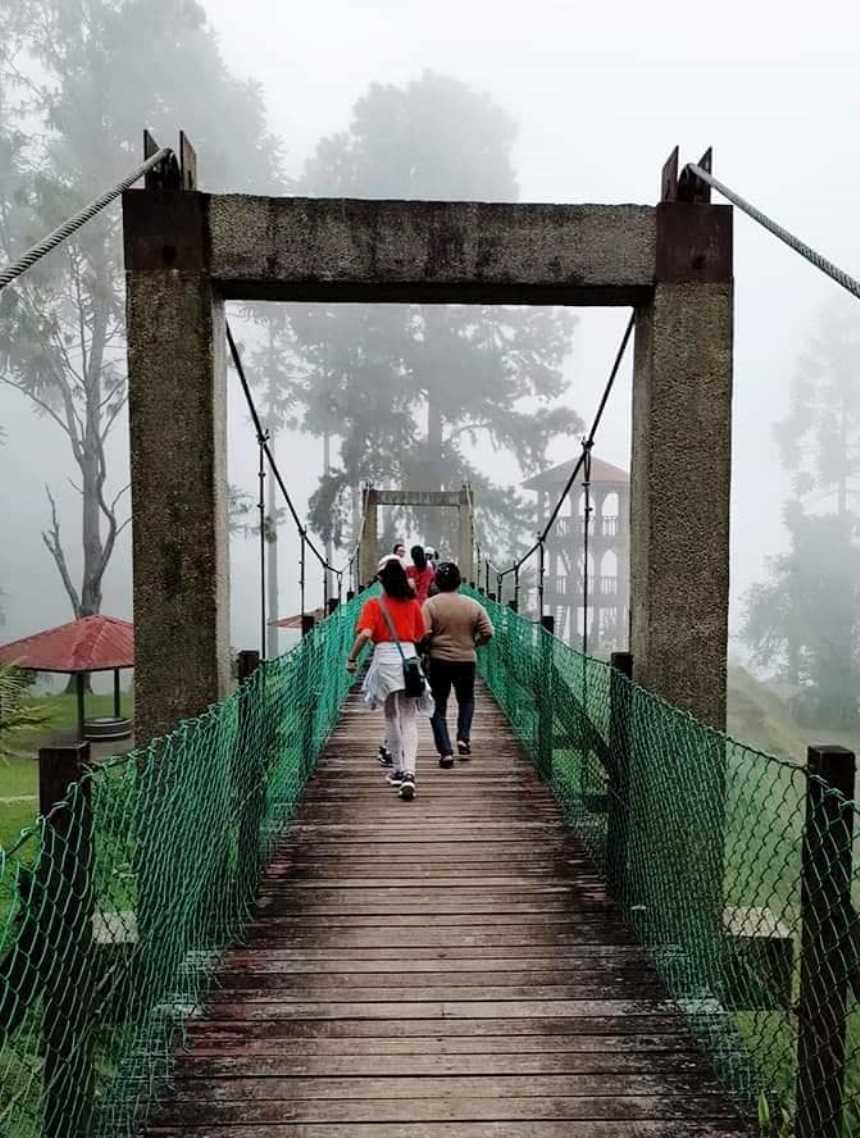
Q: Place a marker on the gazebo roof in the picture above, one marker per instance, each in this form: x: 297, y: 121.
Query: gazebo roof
x: 91, y: 644
x: 296, y: 620
x: 557, y: 476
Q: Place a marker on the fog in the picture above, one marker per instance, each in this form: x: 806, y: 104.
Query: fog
x: 600, y: 95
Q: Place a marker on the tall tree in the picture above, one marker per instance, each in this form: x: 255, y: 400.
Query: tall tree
x: 819, y: 439
x: 412, y: 388
x: 805, y: 620
x: 80, y: 78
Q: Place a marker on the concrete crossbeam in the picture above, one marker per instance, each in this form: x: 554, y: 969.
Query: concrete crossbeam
x: 492, y: 253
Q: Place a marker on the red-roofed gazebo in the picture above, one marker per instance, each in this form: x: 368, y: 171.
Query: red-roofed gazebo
x: 91, y: 644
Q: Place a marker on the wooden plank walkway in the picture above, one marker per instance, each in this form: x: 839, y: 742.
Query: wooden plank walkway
x: 446, y: 968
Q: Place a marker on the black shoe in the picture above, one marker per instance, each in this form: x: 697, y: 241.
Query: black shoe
x: 464, y: 748
x: 395, y: 778
x: 446, y: 762
x: 407, y: 787
x: 385, y: 757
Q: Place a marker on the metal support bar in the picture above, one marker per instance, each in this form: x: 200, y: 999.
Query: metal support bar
x: 825, y: 905
x: 544, y: 696
x: 620, y: 735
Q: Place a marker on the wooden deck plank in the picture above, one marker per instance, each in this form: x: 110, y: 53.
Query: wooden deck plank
x: 447, y: 968
x: 493, y: 1107
x: 509, y: 1129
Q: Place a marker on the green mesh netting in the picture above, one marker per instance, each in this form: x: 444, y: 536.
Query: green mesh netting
x: 703, y: 842
x: 114, y: 909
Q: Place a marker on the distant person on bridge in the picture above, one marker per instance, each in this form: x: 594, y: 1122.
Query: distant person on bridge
x: 455, y: 626
x: 395, y: 617
x: 421, y: 573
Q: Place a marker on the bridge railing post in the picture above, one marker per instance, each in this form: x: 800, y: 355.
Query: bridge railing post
x: 544, y: 697
x: 249, y: 780
x: 827, y: 923
x: 66, y: 892
x: 620, y: 725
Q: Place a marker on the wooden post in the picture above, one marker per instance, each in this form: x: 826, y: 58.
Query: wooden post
x: 827, y: 917
x: 249, y: 661
x: 620, y: 734
x: 79, y: 692
x: 116, y: 694
x: 65, y: 890
x: 543, y: 695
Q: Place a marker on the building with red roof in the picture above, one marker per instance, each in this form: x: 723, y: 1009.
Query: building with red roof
x: 92, y: 644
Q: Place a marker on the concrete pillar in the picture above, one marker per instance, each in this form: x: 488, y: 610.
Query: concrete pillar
x: 467, y: 537
x: 369, y: 554
x: 177, y: 419
x: 682, y: 390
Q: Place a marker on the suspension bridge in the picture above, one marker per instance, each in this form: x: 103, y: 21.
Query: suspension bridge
x: 613, y: 921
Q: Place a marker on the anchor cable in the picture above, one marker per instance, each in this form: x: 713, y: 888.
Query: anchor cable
x: 62, y: 232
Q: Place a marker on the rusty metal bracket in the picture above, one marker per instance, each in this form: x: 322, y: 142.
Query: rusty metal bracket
x: 166, y: 174
x: 691, y: 188
x: 669, y: 178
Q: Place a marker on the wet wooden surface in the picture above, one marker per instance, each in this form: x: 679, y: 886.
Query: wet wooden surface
x: 445, y: 968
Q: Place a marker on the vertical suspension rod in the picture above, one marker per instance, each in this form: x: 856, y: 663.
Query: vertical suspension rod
x: 302, y: 573
x: 261, y: 508
x: 586, y: 520
x: 541, y: 560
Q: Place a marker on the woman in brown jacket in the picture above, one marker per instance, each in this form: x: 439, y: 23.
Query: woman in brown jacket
x: 455, y: 625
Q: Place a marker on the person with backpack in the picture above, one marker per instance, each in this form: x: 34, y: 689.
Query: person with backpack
x: 456, y: 626
x: 394, y: 624
x: 421, y: 573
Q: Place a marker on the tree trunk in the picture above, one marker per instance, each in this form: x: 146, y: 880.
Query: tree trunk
x: 93, y: 569
x: 842, y: 484
x: 433, y: 521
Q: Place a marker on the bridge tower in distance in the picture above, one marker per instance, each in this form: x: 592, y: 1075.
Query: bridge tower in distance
x: 608, y: 555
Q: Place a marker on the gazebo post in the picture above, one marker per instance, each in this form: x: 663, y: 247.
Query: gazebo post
x: 116, y: 697
x: 79, y: 686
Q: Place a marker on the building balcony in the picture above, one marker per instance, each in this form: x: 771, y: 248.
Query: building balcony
x: 569, y: 589
x: 570, y: 526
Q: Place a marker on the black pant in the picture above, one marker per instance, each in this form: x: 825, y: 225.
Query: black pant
x: 444, y: 673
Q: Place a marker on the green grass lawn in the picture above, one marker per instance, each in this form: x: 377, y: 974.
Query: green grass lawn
x: 19, y: 776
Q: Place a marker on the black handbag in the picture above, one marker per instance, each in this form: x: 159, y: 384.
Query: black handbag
x: 413, y: 677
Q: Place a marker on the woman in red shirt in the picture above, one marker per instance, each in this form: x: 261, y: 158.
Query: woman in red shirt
x: 383, y: 683
x: 420, y: 573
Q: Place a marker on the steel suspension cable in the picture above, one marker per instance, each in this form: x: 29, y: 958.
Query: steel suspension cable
x: 64, y: 231
x: 849, y: 283
x: 262, y: 439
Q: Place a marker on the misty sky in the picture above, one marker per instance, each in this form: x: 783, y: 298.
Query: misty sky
x: 601, y: 94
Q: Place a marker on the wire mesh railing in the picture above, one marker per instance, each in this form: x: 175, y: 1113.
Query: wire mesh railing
x: 115, y: 906
x: 735, y: 868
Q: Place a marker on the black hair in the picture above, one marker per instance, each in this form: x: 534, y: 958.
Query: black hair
x: 395, y: 583
x: 447, y: 577
x: 419, y: 557
x: 397, y: 545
